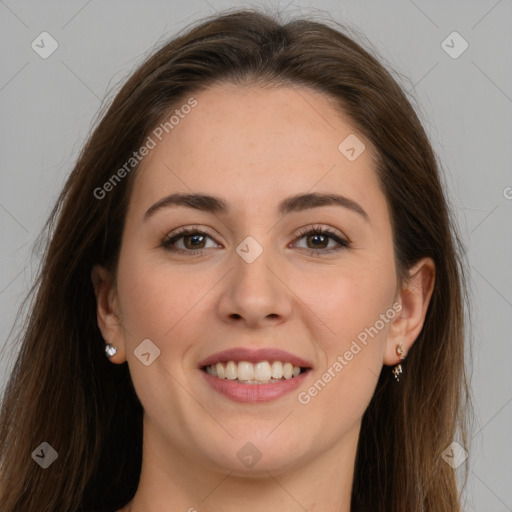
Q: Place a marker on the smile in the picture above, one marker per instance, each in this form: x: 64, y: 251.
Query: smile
x: 255, y: 391
x: 252, y: 375
x: 263, y: 372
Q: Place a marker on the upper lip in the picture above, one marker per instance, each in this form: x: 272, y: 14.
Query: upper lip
x: 254, y: 356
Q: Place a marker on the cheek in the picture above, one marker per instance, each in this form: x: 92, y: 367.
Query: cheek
x: 360, y: 313
x: 161, y: 304
x: 347, y: 300
x: 154, y: 298
x: 353, y: 347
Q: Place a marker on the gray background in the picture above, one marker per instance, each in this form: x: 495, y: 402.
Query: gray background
x: 48, y: 106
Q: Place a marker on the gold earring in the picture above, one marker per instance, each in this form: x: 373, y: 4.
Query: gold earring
x: 397, y: 370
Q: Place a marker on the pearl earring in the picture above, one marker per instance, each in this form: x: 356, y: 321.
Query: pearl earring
x: 110, y: 350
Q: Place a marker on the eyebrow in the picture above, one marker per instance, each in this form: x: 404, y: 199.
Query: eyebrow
x: 296, y: 203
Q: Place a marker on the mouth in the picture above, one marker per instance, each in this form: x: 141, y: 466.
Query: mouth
x: 263, y: 372
x: 254, y: 375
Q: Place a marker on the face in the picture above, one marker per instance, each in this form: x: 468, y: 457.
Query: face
x: 312, y: 278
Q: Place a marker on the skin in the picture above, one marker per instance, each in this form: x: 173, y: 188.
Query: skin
x: 253, y: 147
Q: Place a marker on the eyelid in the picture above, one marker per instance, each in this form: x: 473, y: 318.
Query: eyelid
x: 184, y: 231
x: 328, y: 230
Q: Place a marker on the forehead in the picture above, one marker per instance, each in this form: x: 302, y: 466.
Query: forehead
x: 254, y: 144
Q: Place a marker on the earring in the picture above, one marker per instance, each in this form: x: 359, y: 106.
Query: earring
x: 397, y: 370
x: 110, y: 350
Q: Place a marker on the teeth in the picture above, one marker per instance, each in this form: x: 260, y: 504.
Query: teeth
x: 287, y: 370
x: 262, y: 371
x: 245, y: 371
x: 221, y: 372
x: 277, y: 370
x: 248, y: 373
x: 231, y: 370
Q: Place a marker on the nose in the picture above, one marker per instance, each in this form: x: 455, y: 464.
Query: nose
x: 256, y: 293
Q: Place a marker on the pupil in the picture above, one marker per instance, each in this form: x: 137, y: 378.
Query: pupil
x: 316, y: 237
x: 194, y: 244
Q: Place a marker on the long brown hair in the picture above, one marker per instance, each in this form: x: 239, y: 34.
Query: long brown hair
x: 64, y: 391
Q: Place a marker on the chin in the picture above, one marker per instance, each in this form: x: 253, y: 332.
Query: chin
x: 255, y: 458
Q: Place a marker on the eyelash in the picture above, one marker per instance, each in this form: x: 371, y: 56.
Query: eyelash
x: 170, y: 240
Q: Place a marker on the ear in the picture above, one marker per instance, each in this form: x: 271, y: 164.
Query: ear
x: 414, y: 298
x: 107, y: 310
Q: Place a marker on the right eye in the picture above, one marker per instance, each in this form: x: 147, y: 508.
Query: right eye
x: 193, y: 241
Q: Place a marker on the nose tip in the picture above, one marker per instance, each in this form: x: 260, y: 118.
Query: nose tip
x: 252, y: 290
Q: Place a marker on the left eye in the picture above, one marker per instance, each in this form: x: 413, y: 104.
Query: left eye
x: 192, y: 241
x: 320, y: 238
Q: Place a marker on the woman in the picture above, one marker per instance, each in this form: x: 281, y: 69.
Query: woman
x: 257, y: 228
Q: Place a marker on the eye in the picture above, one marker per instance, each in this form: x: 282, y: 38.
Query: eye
x: 319, y: 237
x: 194, y: 241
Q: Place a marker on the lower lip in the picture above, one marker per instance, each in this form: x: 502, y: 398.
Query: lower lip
x: 252, y: 393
